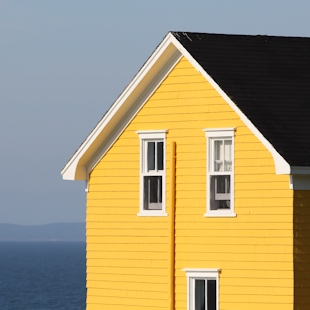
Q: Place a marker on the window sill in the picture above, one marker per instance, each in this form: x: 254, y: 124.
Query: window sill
x: 152, y: 213
x: 220, y: 215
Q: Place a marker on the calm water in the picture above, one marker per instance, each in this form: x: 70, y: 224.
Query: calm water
x: 42, y: 275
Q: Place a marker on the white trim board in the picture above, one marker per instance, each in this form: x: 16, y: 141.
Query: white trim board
x: 132, y: 99
x: 114, y: 122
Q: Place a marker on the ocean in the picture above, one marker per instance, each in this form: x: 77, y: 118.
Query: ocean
x: 42, y: 275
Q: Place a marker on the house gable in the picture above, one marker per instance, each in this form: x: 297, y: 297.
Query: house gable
x: 268, y: 79
x: 247, y: 247
x: 260, y: 256
x: 132, y: 99
x: 102, y: 137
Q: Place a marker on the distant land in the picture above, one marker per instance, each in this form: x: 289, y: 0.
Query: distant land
x: 47, y: 232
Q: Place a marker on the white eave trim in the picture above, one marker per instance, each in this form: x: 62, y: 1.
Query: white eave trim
x: 282, y: 166
x: 76, y: 168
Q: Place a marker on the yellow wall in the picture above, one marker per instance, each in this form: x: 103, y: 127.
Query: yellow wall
x: 302, y: 250
x: 127, y: 255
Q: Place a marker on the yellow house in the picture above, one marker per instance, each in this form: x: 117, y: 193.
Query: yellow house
x: 198, y: 179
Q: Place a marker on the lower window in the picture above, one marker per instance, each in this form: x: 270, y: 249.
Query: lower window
x: 152, y: 193
x: 202, y: 289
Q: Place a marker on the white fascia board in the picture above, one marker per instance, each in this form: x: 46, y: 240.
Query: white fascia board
x: 115, y: 120
x: 282, y: 166
x: 117, y: 116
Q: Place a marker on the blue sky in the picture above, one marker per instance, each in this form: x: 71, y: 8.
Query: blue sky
x: 64, y: 62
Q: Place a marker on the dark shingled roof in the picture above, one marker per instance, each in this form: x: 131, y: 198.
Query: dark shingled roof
x: 268, y: 78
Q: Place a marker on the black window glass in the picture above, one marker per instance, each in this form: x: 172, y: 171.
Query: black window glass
x: 150, y: 156
x: 160, y: 155
x: 154, y: 189
x: 152, y: 192
x: 200, y: 295
x: 211, y: 295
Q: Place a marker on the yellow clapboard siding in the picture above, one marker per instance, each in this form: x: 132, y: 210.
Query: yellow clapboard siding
x: 251, y: 233
x: 134, y: 237
x: 131, y: 263
x: 97, y: 272
x: 128, y: 254
x: 135, y: 301
x: 230, y: 247
x: 240, y: 186
x: 231, y: 225
x: 122, y: 232
x: 95, y: 228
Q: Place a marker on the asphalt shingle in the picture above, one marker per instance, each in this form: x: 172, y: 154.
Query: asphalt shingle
x: 268, y: 78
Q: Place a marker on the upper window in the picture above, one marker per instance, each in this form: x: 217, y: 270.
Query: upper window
x: 202, y: 289
x: 152, y: 172
x: 220, y: 172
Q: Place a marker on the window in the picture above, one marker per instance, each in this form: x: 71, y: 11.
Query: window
x: 152, y: 172
x: 202, y: 289
x: 220, y: 172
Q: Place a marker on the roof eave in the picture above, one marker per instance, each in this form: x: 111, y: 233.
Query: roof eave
x: 281, y: 165
x: 76, y: 168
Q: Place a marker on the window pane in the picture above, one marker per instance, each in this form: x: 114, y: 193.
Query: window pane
x: 152, y: 193
x: 211, y: 294
x: 218, y: 155
x: 222, y: 184
x: 150, y: 156
x: 160, y: 155
x: 200, y: 295
x: 220, y: 192
x: 227, y: 155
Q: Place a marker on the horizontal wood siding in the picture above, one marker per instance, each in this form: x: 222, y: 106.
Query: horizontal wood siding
x: 127, y: 255
x: 121, y: 273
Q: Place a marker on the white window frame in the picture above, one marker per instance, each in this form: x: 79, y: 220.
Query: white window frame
x: 152, y: 136
x: 194, y: 274
x: 213, y: 134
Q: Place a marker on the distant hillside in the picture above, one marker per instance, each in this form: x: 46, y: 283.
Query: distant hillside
x: 48, y: 232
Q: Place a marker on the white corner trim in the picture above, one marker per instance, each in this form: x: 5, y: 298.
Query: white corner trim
x: 282, y: 166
